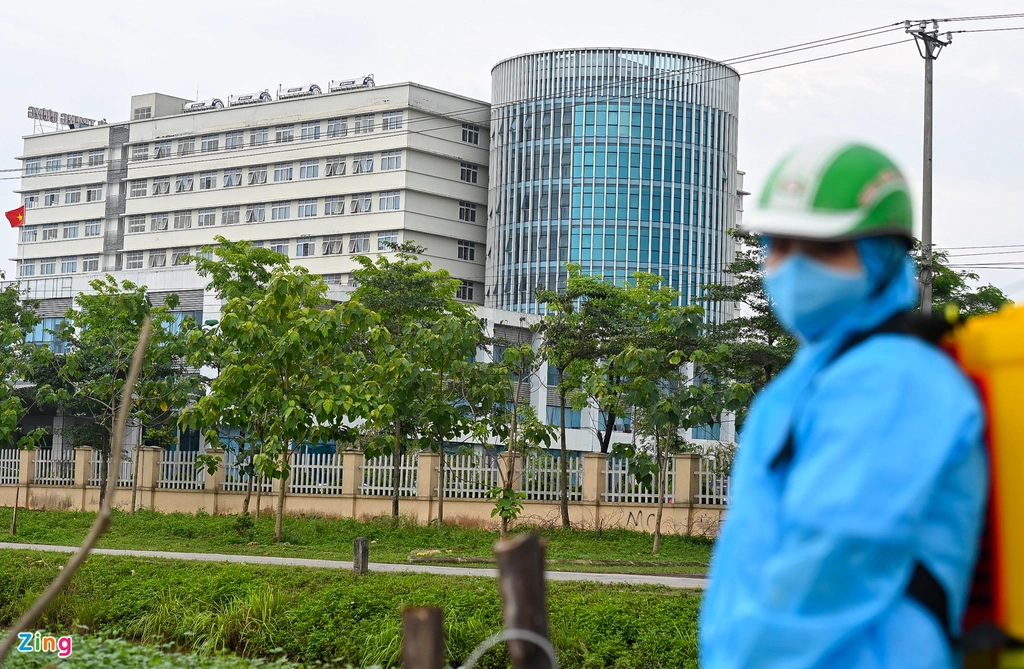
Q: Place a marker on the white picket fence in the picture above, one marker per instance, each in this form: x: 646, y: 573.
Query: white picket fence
x: 469, y: 475
x: 236, y: 480
x: 50, y: 471
x: 377, y: 475
x: 542, y: 473
x: 178, y: 471
x: 316, y: 474
x: 623, y: 487
x: 712, y: 485
x: 10, y: 465
x: 124, y: 480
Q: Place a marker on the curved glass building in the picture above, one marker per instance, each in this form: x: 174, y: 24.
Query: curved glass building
x: 617, y: 159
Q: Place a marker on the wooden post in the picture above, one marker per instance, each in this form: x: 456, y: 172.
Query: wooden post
x: 422, y: 638
x: 521, y: 580
x: 361, y: 560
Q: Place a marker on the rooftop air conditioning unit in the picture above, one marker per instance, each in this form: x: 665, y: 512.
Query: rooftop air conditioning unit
x: 344, y: 84
x: 250, y: 99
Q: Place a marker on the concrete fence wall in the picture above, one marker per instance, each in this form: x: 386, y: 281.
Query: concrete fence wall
x: 605, y: 495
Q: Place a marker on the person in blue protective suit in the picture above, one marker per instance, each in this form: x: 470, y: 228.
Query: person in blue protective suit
x: 860, y: 469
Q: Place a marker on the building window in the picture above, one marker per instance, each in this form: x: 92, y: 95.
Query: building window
x: 90, y: 263
x: 137, y: 223
x: 49, y: 232
x: 390, y: 200
x: 183, y: 183
x: 307, y: 208
x: 96, y: 157
x: 331, y: 279
x: 467, y: 212
x: 259, y: 136
x: 158, y: 222
x: 331, y: 245
x: 92, y: 228
x: 465, y: 291
x: 386, y: 240
x: 187, y: 146
x: 47, y: 266
x: 207, y: 180
x: 364, y: 123
x: 69, y: 265
x: 140, y: 152
x: 255, y: 213
x: 179, y: 256
x: 133, y: 260
x: 71, y: 230
x: 334, y: 206
x: 230, y: 215
x: 284, y: 133
x: 158, y: 258
x: 572, y: 416
x: 72, y: 195
x: 29, y: 233
x: 233, y: 140
x: 279, y: 246
x: 232, y: 178
x: 27, y: 268
x: 305, y: 247
x: 31, y: 200
x: 359, y: 243
x: 138, y: 188
x: 363, y: 163
x: 257, y: 175
x: 309, y: 169
x: 207, y: 218
x: 467, y: 250
x: 162, y: 149
x: 391, y: 120
x: 53, y: 163
x: 205, y: 254
x: 391, y: 160
x: 337, y: 127
x: 468, y: 173
x: 161, y: 186
x: 75, y: 160
x: 51, y: 198
x: 470, y: 133
x: 335, y: 166
x: 361, y: 203
x: 182, y: 220
x: 283, y: 172
x: 280, y: 211
x: 94, y: 193
x: 311, y: 130
x: 33, y: 166
x: 209, y: 143
x: 142, y: 113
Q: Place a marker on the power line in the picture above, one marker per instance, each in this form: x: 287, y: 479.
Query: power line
x: 988, y: 30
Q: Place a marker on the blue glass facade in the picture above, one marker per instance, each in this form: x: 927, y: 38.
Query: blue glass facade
x: 622, y: 161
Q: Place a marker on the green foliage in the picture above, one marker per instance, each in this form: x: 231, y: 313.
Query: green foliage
x: 508, y: 504
x: 18, y: 360
x: 343, y: 618
x: 953, y: 286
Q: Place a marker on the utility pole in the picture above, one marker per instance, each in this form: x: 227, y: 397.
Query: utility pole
x: 928, y: 45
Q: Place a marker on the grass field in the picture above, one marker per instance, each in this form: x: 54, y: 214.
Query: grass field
x: 336, y: 617
x: 331, y: 538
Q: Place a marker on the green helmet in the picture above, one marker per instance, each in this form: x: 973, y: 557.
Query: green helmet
x: 834, y: 191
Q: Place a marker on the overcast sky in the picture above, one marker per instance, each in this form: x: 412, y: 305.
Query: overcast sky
x: 89, y: 58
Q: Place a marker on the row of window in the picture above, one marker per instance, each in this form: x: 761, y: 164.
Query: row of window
x: 70, y: 161
x: 72, y: 195
x: 53, y: 231
x: 256, y: 175
x: 67, y: 265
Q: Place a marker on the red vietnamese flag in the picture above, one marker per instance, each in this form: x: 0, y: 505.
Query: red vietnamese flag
x: 16, y: 216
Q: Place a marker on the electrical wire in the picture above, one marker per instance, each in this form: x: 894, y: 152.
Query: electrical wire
x: 987, y: 30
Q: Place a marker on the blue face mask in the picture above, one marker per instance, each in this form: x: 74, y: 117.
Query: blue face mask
x: 809, y: 297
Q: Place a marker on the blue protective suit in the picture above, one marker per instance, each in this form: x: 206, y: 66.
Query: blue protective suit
x: 812, y: 563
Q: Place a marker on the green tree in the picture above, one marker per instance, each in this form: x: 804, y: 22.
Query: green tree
x: 409, y: 298
x: 959, y: 287
x: 18, y: 361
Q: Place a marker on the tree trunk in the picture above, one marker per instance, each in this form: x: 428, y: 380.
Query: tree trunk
x: 279, y: 514
x: 248, y: 493
x: 440, y: 487
x: 396, y: 463
x: 135, y: 478
x: 662, y: 462
x: 259, y: 494
x: 14, y: 515
x: 609, y: 425
x: 104, y: 461
x: 563, y: 484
